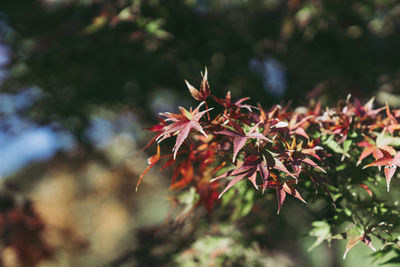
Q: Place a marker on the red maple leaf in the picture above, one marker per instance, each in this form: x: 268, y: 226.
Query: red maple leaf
x: 185, y: 172
x: 282, y: 190
x: 366, y: 110
x: 366, y: 188
x: 248, y: 170
x: 390, y: 163
x: 376, y: 150
x: 392, y: 123
x: 296, y: 127
x: 295, y: 156
x: 151, y: 161
x: 240, y: 137
x: 281, y: 167
x: 182, y: 124
x: 204, y: 91
x: 228, y: 103
x: 156, y: 129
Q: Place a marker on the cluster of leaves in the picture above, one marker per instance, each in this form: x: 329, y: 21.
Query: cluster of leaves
x: 337, y: 152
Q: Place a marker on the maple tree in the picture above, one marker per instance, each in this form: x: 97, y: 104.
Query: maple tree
x: 296, y: 153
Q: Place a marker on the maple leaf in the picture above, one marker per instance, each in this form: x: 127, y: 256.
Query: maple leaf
x: 185, y: 172
x: 312, y: 151
x: 390, y: 163
x: 248, y: 170
x: 312, y: 163
x: 382, y: 144
x: 182, y: 124
x: 296, y: 127
x: 156, y: 129
x: 267, y: 116
x: 392, y: 121
x: 151, y: 161
x: 366, y: 110
x: 281, y: 167
x: 366, y: 188
x: 279, y: 124
x: 204, y: 91
x: 240, y: 137
x: 295, y: 156
x: 336, y: 122
x: 355, y: 240
x: 282, y: 190
x: 227, y: 102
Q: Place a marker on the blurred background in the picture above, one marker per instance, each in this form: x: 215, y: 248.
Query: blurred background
x: 80, y: 79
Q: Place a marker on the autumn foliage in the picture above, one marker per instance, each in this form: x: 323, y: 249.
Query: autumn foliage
x: 22, y: 233
x: 343, y: 154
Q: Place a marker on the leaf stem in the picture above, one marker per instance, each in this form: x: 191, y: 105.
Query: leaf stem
x: 208, y: 114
